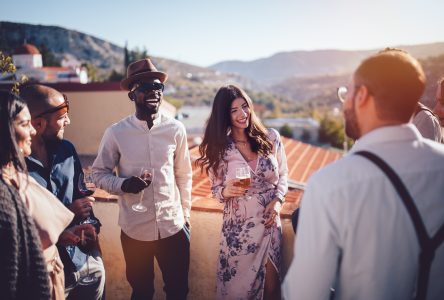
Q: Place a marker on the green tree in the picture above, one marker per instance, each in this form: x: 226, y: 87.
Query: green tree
x: 7, y: 67
x: 115, y: 76
x: 306, y: 136
x: 91, y: 71
x: 6, y: 64
x: 48, y: 57
x: 177, y: 103
x: 286, y: 131
x: 126, y: 56
x: 135, y: 54
x: 331, y: 130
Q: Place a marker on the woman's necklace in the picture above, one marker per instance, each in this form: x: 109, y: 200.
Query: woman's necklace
x: 244, y: 150
x: 241, y: 143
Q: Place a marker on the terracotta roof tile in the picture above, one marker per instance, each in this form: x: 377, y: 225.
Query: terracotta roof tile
x: 57, y: 69
x: 303, y: 159
x: 26, y: 49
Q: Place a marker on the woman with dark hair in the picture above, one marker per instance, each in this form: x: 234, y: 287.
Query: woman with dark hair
x: 235, y: 140
x: 23, y: 272
x: 32, y: 219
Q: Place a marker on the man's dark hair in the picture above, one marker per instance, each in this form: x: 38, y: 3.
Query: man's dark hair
x: 396, y: 81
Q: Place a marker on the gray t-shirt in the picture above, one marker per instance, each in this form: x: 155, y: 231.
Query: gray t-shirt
x: 428, y: 125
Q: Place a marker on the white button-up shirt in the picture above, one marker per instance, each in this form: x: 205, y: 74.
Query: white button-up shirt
x: 130, y: 146
x: 355, y: 233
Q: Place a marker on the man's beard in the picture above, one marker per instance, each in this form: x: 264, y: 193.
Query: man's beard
x: 351, y: 123
x: 51, y: 137
x: 150, y: 109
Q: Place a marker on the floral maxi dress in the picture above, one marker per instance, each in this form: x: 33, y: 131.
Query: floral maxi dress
x: 246, y: 245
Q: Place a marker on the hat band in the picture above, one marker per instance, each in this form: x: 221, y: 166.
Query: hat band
x: 140, y: 72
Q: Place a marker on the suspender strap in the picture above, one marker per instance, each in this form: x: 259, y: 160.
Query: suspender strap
x: 403, y: 193
x: 428, y: 246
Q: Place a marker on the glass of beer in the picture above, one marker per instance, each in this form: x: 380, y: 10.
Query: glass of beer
x: 243, y: 174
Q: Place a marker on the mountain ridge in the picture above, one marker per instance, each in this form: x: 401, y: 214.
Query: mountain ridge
x: 303, y: 63
x: 300, y: 76
x: 186, y: 79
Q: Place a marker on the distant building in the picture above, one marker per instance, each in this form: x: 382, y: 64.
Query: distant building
x: 304, y: 129
x: 194, y: 118
x: 28, y: 60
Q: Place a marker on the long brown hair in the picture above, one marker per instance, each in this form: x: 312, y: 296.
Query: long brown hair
x: 215, y: 141
x: 10, y: 106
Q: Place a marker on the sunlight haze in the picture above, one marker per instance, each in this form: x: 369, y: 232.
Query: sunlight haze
x: 206, y: 32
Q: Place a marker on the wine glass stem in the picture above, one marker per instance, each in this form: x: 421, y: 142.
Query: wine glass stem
x: 141, y: 197
x: 87, y: 264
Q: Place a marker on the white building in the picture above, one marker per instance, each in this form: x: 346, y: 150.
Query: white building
x: 28, y: 60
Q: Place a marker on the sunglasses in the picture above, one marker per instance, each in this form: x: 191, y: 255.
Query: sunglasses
x: 64, y: 105
x: 148, y: 87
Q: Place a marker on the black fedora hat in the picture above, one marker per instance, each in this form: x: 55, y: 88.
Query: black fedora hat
x: 141, y: 69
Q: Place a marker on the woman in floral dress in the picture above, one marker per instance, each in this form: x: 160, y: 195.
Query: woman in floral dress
x: 250, y: 247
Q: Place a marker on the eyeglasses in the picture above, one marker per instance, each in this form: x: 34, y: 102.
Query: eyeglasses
x: 148, y: 87
x: 342, y: 93
x: 64, y: 105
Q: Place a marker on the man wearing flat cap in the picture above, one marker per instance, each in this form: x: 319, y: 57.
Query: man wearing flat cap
x: 154, y: 214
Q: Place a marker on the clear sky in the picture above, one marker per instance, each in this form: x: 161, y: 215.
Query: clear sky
x: 203, y: 32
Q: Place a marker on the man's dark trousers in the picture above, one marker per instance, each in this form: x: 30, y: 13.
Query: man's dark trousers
x: 173, y: 257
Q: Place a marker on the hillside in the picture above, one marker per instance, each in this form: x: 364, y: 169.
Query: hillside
x: 298, y: 64
x: 287, y: 82
x: 64, y: 44
x: 189, y: 84
x: 321, y: 90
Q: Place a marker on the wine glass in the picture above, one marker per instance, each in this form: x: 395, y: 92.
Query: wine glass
x: 147, y: 174
x: 89, y: 278
x: 86, y: 188
x: 243, y: 174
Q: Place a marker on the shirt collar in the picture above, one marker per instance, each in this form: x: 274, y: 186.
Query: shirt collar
x: 142, y: 123
x: 387, y: 134
x: 52, y: 148
x: 34, y: 160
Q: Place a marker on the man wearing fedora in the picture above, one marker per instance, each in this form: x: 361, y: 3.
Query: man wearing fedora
x: 148, y: 140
